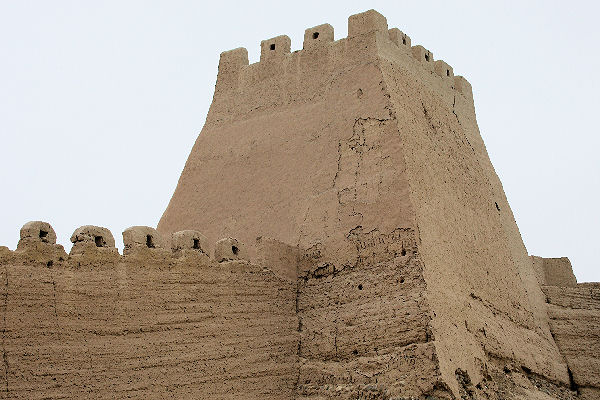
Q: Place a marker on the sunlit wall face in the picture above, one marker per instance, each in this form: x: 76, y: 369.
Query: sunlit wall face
x: 100, y: 103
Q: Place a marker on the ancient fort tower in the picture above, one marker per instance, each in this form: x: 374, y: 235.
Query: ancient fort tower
x: 375, y: 253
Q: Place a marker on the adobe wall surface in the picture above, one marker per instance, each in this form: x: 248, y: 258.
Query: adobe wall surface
x: 369, y: 134
x: 298, y: 147
x: 365, y: 328
x: 480, y: 282
x: 158, y: 323
x: 385, y: 260
x: 145, y: 326
x: 554, y: 271
x: 575, y: 322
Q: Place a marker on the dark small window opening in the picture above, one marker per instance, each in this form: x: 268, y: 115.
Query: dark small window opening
x: 403, y: 252
x: 149, y: 241
x: 447, y: 72
x: 426, y: 57
x: 99, y: 241
x: 497, y: 206
x: 272, y: 46
x: 50, y: 263
x: 355, y: 352
x: 235, y: 250
x: 43, y: 235
x: 403, y: 40
x: 196, y: 244
x: 315, y: 35
x: 360, y: 287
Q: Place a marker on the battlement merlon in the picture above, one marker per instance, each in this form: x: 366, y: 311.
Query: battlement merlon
x: 463, y: 86
x: 399, y: 38
x: 318, y: 36
x: 274, y: 48
x: 367, y: 22
x: 230, y: 65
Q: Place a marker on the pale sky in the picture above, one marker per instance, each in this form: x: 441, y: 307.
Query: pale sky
x: 101, y: 102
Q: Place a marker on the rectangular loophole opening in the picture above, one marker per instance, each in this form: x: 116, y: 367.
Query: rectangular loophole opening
x: 196, y: 244
x: 149, y: 242
x: 272, y: 47
x: 316, y: 35
x: 43, y: 235
x: 99, y: 240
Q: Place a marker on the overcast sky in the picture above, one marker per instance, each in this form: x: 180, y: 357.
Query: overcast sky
x: 101, y: 101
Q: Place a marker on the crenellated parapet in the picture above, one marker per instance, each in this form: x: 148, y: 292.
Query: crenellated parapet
x: 368, y: 36
x: 95, y: 246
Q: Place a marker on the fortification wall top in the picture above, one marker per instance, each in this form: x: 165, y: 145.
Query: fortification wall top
x: 95, y: 246
x: 368, y: 34
x: 554, y: 271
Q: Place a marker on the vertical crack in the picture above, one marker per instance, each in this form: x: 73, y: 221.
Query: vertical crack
x: 454, y: 112
x: 335, y: 343
x: 299, y: 330
x: 54, y: 294
x: 338, y: 166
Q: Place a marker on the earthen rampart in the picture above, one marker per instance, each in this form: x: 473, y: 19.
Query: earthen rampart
x: 164, y: 319
x: 574, y: 311
x: 370, y: 134
x: 169, y: 317
x: 338, y: 231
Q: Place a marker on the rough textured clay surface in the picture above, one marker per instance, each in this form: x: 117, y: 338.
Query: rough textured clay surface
x: 135, y: 329
x: 363, y: 249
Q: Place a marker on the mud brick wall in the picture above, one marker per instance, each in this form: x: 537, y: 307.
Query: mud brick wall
x: 364, y: 327
x: 575, y: 324
x: 127, y: 330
